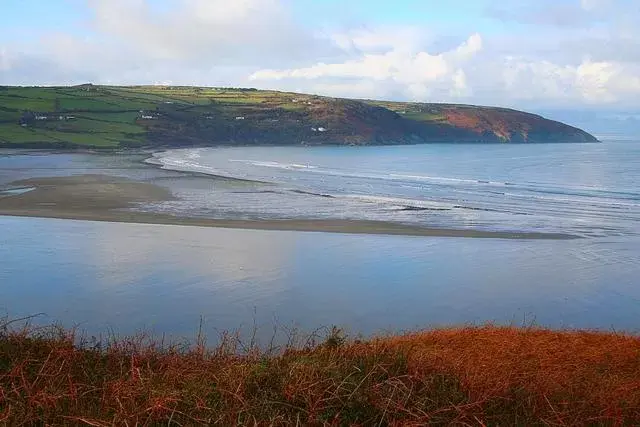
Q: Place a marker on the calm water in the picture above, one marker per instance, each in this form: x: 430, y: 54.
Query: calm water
x: 164, y: 278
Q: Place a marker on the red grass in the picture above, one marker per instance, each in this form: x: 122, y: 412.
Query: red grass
x: 468, y: 376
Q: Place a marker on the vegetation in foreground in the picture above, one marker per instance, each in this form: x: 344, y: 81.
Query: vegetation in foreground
x: 168, y: 116
x: 468, y: 376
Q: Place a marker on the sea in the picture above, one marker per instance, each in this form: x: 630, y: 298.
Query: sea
x: 176, y: 280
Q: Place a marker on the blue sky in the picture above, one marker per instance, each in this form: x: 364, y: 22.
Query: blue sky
x: 19, y: 21
x: 532, y: 54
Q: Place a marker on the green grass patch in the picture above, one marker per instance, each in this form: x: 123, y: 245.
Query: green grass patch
x: 291, y: 106
x: 88, y: 139
x: 13, y: 116
x: 34, y: 92
x: 88, y: 104
x: 25, y: 104
x: 144, y: 97
x: 92, y: 126
x: 16, y: 134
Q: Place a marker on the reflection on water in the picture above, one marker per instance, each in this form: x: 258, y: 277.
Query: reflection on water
x: 164, y: 278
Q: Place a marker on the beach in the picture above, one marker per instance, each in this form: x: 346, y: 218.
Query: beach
x: 107, y: 198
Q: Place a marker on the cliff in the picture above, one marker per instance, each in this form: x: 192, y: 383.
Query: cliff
x: 161, y: 116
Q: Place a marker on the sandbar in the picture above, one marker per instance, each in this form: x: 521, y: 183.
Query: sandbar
x: 109, y: 198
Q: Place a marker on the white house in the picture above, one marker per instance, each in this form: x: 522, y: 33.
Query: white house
x: 147, y: 117
x: 240, y: 118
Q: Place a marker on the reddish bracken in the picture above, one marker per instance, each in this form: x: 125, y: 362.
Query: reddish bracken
x: 467, y: 376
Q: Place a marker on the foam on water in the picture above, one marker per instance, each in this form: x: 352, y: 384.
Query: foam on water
x: 16, y: 191
x: 561, y: 188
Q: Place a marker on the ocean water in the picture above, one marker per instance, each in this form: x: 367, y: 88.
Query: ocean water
x: 588, y: 190
x: 128, y: 277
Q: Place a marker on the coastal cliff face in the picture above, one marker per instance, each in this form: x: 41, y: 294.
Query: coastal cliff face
x: 159, y: 116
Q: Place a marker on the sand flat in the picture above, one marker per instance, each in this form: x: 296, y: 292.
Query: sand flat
x: 107, y: 198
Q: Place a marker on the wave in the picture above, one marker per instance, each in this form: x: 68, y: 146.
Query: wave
x: 399, y: 202
x: 16, y: 191
x: 190, y: 160
x: 188, y: 163
x: 272, y: 164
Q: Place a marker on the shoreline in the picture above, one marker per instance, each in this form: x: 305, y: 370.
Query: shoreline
x: 107, y: 199
x: 303, y: 225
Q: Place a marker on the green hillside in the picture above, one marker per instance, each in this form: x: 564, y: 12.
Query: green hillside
x: 161, y: 116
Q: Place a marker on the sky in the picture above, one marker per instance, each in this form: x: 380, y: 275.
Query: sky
x: 527, y: 54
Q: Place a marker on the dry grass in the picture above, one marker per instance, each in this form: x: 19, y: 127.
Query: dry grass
x: 468, y: 376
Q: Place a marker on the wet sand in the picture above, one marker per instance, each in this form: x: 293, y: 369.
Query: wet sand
x: 107, y: 198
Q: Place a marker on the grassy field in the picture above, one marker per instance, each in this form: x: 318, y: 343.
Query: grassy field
x: 107, y: 116
x: 468, y: 376
x: 170, y: 116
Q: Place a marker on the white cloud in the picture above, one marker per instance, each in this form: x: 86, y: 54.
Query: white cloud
x: 470, y: 47
x: 191, y: 29
x: 406, y: 39
x: 460, y: 87
x: 418, y: 73
x: 5, y: 63
x: 590, y: 5
x: 587, y: 53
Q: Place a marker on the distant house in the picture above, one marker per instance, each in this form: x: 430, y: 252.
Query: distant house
x: 41, y: 117
x: 148, y: 117
x: 27, y: 118
x: 240, y: 118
